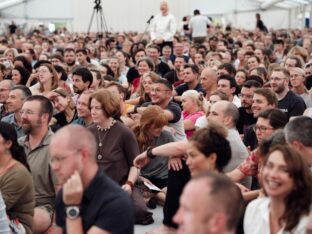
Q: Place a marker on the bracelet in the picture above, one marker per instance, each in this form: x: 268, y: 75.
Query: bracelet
x: 130, y: 184
x: 149, y: 153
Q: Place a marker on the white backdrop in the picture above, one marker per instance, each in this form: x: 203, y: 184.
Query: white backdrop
x: 131, y: 15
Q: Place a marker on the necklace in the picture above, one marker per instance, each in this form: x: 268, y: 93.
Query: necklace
x: 105, y: 130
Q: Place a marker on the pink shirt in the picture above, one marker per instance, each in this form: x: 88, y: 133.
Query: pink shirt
x: 192, y: 117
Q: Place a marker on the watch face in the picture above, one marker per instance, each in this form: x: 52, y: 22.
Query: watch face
x: 72, y: 212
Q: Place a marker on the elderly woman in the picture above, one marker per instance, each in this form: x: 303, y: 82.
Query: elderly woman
x: 117, y: 148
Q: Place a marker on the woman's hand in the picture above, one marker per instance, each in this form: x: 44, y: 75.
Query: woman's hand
x: 141, y: 160
x: 32, y: 77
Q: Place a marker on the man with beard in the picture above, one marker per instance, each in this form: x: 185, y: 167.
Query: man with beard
x: 70, y: 58
x: 246, y: 117
x: 263, y: 98
x: 82, y: 80
x: 288, y: 101
x: 36, y: 114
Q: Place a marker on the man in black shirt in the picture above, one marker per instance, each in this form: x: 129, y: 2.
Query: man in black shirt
x: 288, y: 101
x: 260, y: 24
x: 263, y: 99
x: 246, y: 117
x: 191, y: 81
x: 161, y: 68
x: 172, y: 75
x: 89, y: 201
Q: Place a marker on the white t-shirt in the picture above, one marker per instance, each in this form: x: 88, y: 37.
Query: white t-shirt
x: 257, y: 220
x: 198, y: 24
x: 163, y: 27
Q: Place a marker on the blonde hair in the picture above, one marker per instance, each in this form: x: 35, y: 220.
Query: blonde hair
x: 154, y: 76
x: 198, y: 98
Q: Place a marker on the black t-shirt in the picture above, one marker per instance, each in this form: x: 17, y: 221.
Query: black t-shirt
x: 183, y: 87
x: 173, y: 107
x: 162, y: 68
x: 171, y: 76
x: 250, y: 138
x: 61, y: 120
x: 292, y: 105
x: 245, y: 120
x: 104, y: 205
x: 132, y: 74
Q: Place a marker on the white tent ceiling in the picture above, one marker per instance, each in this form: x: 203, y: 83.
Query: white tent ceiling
x: 125, y: 15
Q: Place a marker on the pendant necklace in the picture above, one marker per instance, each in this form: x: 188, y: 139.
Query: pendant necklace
x: 105, y: 130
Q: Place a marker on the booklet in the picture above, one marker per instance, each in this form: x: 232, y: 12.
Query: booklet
x: 152, y: 187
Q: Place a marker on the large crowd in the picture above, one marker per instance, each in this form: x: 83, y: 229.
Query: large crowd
x: 213, y: 124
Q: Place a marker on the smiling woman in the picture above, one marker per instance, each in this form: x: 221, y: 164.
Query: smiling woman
x: 287, y: 183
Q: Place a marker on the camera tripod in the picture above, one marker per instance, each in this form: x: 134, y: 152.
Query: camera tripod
x: 100, y: 19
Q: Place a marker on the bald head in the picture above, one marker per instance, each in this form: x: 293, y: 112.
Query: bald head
x: 208, y: 79
x: 225, y: 112
x: 75, y: 137
x: 208, y: 72
x: 164, y: 8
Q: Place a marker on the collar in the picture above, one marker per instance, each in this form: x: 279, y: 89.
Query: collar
x: 91, y: 190
x: 44, y: 142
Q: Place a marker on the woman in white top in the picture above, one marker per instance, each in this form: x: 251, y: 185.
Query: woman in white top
x: 287, y: 184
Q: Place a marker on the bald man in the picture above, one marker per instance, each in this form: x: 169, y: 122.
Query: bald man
x: 210, y: 203
x: 208, y: 80
x: 80, y: 204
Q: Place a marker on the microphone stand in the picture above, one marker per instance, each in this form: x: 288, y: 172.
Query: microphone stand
x: 148, y: 23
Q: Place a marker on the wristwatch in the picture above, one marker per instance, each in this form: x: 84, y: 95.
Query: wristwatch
x: 72, y: 212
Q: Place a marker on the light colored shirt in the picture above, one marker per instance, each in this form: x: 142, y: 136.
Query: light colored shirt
x: 4, y: 223
x: 163, y: 27
x: 198, y: 24
x: 257, y: 219
x: 236, y: 101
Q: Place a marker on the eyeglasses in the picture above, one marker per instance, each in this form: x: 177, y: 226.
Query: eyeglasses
x: 159, y: 90
x: 27, y: 112
x: 261, y: 129
x: 276, y: 79
x: 295, y: 76
x: 59, y: 159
